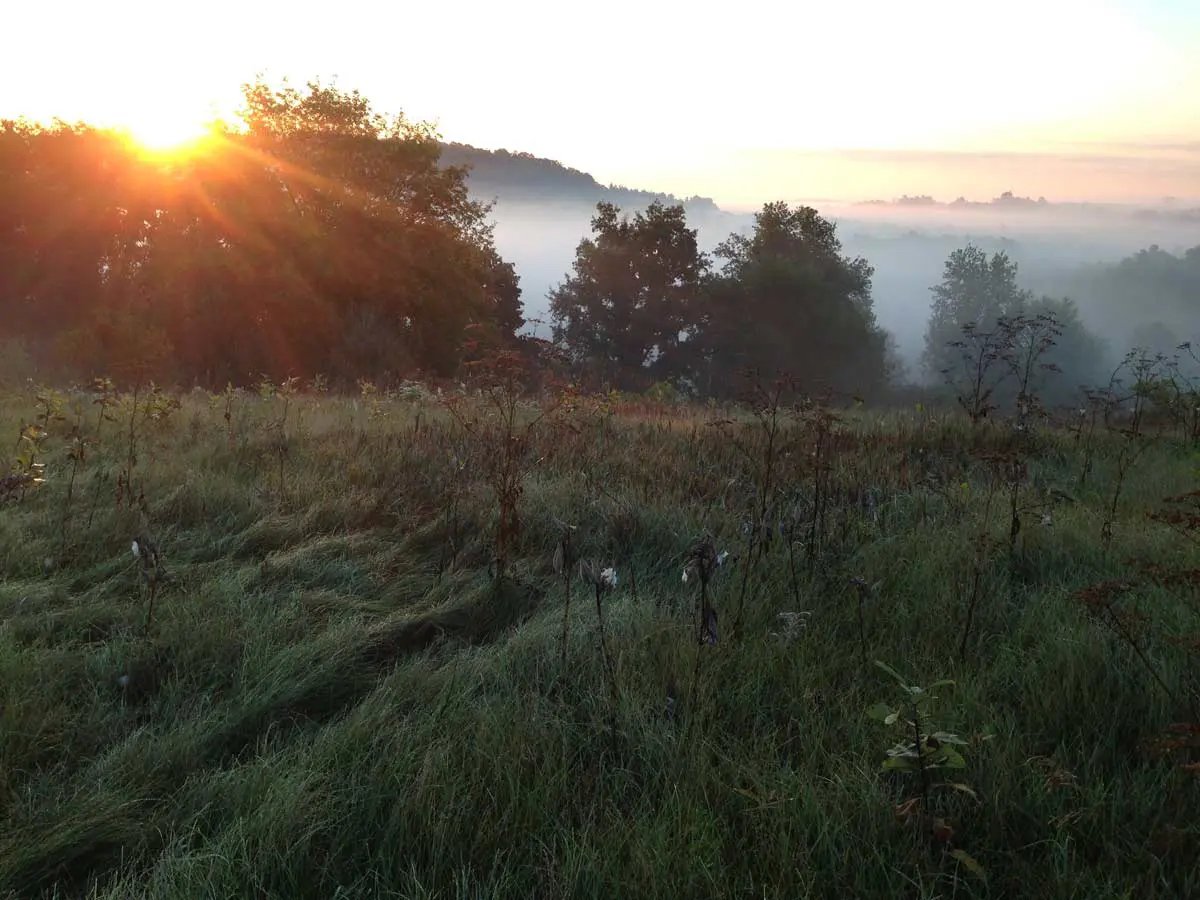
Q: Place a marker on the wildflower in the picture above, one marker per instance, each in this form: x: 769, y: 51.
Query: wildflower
x: 721, y: 557
x: 137, y: 551
x: 1047, y: 520
x: 794, y: 624
x: 123, y: 681
x: 601, y: 579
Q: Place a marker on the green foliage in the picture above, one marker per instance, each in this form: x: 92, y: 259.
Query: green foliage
x: 334, y: 696
x: 630, y: 302
x: 929, y: 753
x: 975, y: 291
x: 642, y: 305
x: 27, y: 471
x: 1154, y: 279
x: 788, y: 301
x: 923, y: 746
x: 662, y: 392
x: 319, y: 236
x: 978, y: 322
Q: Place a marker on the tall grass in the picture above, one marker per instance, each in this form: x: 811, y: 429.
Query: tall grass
x: 329, y: 704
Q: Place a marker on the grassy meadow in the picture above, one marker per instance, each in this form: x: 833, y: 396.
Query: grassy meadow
x: 336, y: 696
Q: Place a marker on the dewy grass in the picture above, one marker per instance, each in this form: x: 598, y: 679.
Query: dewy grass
x: 335, y: 699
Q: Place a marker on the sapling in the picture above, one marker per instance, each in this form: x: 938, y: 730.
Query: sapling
x: 27, y: 471
x: 927, y: 752
x: 50, y: 405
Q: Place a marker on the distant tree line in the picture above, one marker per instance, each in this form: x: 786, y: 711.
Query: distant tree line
x: 643, y: 304
x: 1153, y: 295
x: 978, y: 299
x: 523, y: 177
x: 319, y: 237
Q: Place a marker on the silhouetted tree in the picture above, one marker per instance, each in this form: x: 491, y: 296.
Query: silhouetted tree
x: 976, y: 296
x: 788, y: 300
x: 629, y: 303
x: 975, y: 291
x: 319, y: 236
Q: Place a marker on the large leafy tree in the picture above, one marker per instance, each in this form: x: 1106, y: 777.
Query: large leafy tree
x: 788, y: 300
x: 65, y: 197
x: 317, y: 236
x: 629, y: 304
x: 975, y: 291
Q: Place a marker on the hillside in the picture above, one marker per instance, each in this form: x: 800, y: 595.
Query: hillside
x: 524, y: 178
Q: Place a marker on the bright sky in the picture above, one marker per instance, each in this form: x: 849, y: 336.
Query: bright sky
x: 745, y: 102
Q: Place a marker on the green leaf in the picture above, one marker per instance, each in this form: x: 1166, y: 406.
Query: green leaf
x: 952, y: 759
x: 899, y: 762
x: 969, y: 861
x: 947, y: 737
x: 899, y: 678
x: 880, y: 712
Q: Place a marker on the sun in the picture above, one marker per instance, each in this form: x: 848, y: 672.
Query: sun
x: 165, y: 135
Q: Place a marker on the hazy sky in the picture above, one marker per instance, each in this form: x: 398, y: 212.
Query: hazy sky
x: 746, y: 101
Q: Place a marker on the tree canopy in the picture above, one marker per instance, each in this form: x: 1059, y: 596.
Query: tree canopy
x: 317, y: 236
x: 642, y: 303
x: 975, y: 291
x: 979, y: 296
x: 631, y: 299
x: 788, y: 300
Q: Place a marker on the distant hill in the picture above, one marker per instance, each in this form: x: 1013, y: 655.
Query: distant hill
x: 543, y: 209
x: 524, y: 178
x: 1168, y: 210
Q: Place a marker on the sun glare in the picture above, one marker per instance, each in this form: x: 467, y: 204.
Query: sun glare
x: 165, y: 135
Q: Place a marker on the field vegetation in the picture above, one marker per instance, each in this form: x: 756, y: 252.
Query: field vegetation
x: 486, y: 643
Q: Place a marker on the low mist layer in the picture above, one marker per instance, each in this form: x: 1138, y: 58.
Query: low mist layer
x: 542, y: 210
